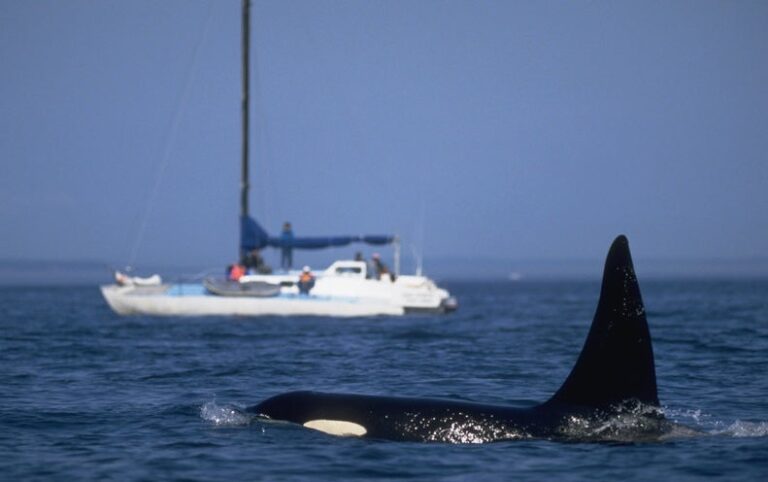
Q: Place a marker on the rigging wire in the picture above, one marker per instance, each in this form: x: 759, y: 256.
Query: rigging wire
x: 170, y: 140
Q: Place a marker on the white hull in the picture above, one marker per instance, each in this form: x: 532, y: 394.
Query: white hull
x: 336, y: 293
x: 127, y: 300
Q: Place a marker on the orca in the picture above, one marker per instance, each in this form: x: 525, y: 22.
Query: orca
x: 609, y: 395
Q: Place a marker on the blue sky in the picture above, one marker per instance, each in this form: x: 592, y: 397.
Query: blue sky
x: 521, y: 130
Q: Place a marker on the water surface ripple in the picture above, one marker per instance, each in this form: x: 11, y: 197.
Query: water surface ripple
x: 88, y: 395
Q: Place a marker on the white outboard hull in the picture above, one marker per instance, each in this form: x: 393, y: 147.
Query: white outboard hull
x: 136, y: 301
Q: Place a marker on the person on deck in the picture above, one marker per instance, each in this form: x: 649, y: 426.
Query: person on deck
x: 286, y: 252
x: 306, y: 281
x: 380, y: 267
x: 254, y: 263
x: 236, y: 271
x: 252, y: 260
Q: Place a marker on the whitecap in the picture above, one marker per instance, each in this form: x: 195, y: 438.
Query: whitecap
x: 743, y: 429
x: 710, y: 425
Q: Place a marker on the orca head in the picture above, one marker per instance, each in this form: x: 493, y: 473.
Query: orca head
x: 310, y: 410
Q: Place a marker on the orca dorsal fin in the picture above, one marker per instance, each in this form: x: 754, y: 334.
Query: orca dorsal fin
x: 616, y: 363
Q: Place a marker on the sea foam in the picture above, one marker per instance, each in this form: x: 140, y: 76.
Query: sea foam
x: 223, y: 415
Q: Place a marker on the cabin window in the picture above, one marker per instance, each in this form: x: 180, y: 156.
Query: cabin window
x: 348, y: 270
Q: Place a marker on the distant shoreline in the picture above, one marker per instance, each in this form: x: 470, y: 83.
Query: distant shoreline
x: 90, y: 273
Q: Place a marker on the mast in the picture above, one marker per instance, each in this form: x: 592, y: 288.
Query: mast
x: 244, y: 183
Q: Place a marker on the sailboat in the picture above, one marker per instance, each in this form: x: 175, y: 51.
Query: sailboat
x: 346, y: 288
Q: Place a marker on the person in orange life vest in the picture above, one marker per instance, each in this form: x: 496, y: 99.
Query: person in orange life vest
x: 236, y: 271
x: 306, y: 281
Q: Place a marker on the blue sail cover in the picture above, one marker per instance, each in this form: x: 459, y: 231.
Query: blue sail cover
x: 253, y: 236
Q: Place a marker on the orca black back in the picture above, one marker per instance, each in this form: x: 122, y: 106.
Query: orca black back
x: 616, y: 364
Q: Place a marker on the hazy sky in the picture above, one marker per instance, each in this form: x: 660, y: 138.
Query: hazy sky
x: 527, y: 130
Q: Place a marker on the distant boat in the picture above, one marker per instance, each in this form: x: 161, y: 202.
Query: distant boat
x: 346, y: 288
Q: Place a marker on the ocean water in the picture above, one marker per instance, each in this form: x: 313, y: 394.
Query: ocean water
x: 88, y: 395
